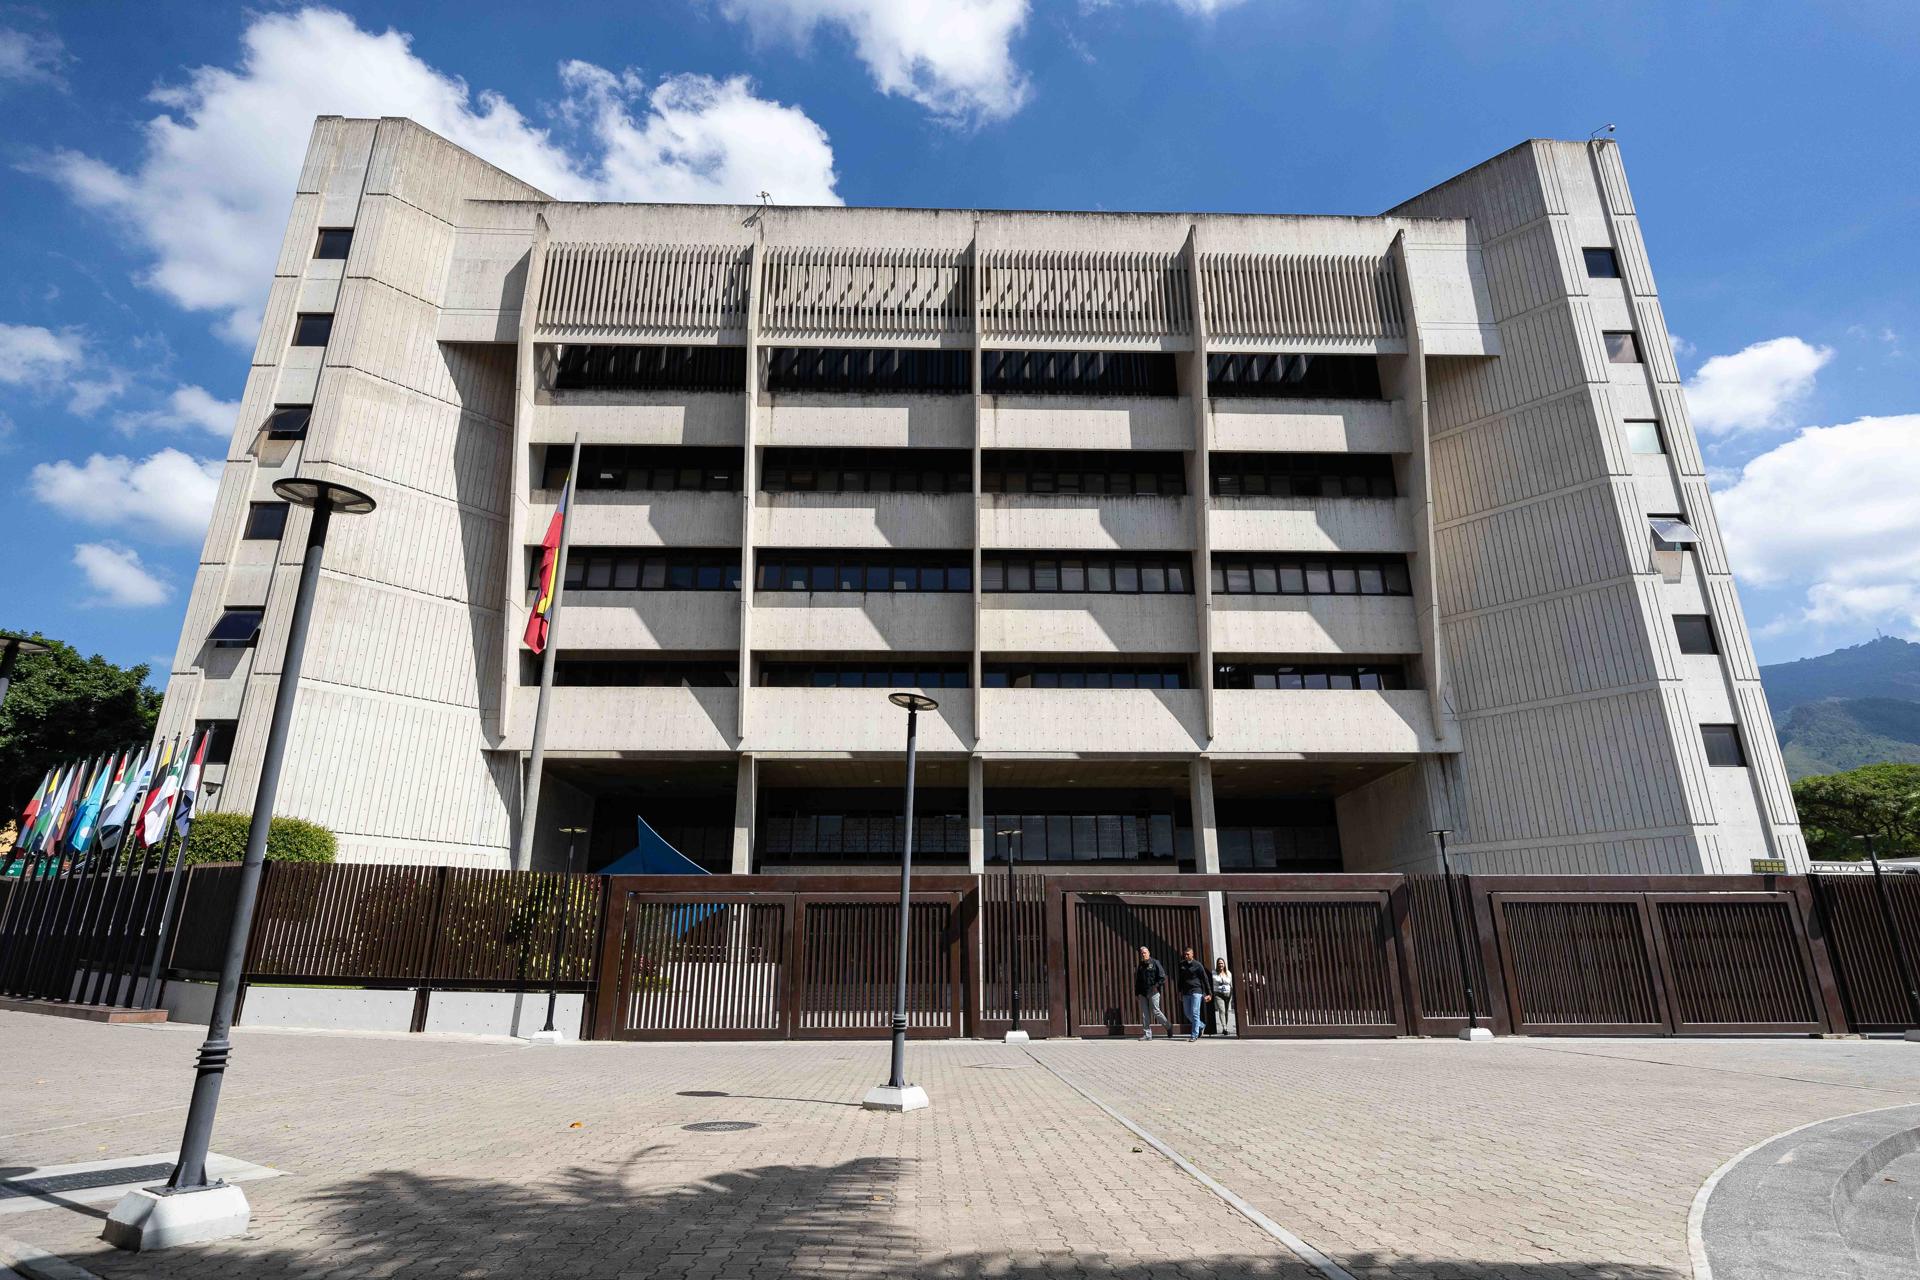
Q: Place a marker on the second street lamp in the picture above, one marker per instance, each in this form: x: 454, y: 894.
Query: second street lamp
x: 896, y: 1094
x: 1898, y: 943
x: 549, y: 1034
x: 1014, y: 1033
x: 1473, y: 1030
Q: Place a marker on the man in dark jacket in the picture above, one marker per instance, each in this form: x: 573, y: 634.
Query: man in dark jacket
x: 1148, y: 978
x: 1196, y: 989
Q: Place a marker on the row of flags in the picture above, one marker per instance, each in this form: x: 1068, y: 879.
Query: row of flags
x: 124, y: 798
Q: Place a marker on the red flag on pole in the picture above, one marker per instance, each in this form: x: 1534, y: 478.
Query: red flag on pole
x: 538, y: 622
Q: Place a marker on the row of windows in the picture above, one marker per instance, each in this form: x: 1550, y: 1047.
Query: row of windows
x: 1099, y: 572
x: 1079, y: 373
x: 1302, y: 475
x: 1252, y: 573
x: 862, y: 675
x: 850, y: 837
x: 869, y: 369
x: 867, y: 471
x: 863, y: 571
x: 1317, y: 675
x: 1282, y: 375
x: 651, y: 368
x: 1081, y: 675
x: 1279, y: 848
x: 1080, y: 837
x: 640, y: 674
x: 1125, y: 474
x: 629, y: 569
x: 659, y: 467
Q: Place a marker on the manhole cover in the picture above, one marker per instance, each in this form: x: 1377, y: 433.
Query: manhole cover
x: 719, y: 1126
x: 702, y: 1093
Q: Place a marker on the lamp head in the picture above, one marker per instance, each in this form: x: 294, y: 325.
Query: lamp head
x: 913, y: 701
x: 305, y: 491
x: 21, y: 645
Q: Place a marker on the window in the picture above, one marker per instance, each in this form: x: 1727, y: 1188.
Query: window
x: 1283, y: 833
x: 858, y: 826
x: 651, y: 368
x: 1302, y: 475
x: 1695, y: 633
x: 1129, y: 474
x: 1671, y: 533
x: 312, y: 329
x: 855, y: 570
x: 1078, y: 373
x: 1602, y: 264
x: 289, y: 421
x: 1723, y: 746
x: 1643, y: 436
x: 637, y: 569
x: 867, y: 471
x: 333, y: 242
x: 860, y: 369
x: 1098, y: 572
x: 219, y: 742
x: 1296, y: 675
x: 237, y: 628
x: 1294, y: 375
x: 635, y: 673
x: 1099, y: 836
x: 1081, y: 675
x: 1253, y: 573
x: 1622, y: 346
x: 655, y: 467
x: 266, y: 521
x: 890, y: 674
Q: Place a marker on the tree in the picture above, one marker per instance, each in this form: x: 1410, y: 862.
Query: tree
x: 63, y: 707
x: 1881, y: 800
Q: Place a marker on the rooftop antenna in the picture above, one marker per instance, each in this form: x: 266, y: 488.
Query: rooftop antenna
x: 766, y: 203
x: 1605, y: 128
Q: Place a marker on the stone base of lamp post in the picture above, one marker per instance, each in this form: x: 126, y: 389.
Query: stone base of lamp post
x: 885, y: 1097
x: 1475, y: 1033
x: 1017, y: 1037
x: 155, y: 1218
x: 1913, y: 1033
x: 556, y: 1036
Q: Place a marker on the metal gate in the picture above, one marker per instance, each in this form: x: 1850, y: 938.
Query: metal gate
x: 1104, y: 935
x: 849, y: 950
x: 1314, y: 964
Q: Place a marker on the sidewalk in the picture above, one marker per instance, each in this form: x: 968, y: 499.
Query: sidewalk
x: 440, y: 1157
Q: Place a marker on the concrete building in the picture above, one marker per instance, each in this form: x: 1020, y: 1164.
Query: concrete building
x: 1231, y: 542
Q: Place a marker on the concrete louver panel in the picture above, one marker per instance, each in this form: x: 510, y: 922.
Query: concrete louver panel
x: 1293, y: 295
x: 1041, y: 293
x: 612, y: 290
x: 864, y: 293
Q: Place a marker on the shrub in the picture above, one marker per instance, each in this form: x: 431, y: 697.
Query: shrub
x: 222, y: 837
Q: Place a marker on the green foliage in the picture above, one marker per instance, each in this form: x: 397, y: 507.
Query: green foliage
x: 1845, y: 733
x: 222, y: 837
x: 1882, y: 800
x: 64, y: 707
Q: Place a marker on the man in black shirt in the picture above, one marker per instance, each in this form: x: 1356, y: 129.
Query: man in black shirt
x: 1196, y: 989
x: 1148, y: 978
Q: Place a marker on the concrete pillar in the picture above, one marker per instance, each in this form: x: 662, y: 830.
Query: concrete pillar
x: 1206, y: 849
x: 746, y: 790
x: 976, y: 815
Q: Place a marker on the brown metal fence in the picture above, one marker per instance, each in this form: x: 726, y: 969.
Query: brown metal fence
x: 1103, y: 949
x: 1440, y: 995
x: 1864, y: 959
x: 1008, y: 917
x: 1315, y: 964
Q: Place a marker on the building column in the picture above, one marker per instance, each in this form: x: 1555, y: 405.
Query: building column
x: 976, y: 815
x: 746, y: 790
x: 1206, y: 849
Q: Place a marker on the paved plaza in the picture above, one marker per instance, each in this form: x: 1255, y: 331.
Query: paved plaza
x: 416, y: 1156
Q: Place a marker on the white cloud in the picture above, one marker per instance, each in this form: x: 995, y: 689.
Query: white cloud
x: 953, y: 57
x: 1755, y: 388
x: 90, y: 395
x: 1192, y: 8
x: 1833, y: 511
x: 189, y: 407
x: 31, y: 356
x: 30, y: 58
x: 168, y: 494
x: 208, y: 199
x: 117, y: 576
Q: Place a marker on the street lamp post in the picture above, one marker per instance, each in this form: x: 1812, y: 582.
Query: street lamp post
x: 896, y: 1094
x: 1893, y: 936
x: 1014, y: 1034
x: 549, y: 1034
x: 1473, y: 1030
x: 190, y: 1209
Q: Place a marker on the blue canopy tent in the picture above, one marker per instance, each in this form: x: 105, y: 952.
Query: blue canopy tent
x: 653, y: 856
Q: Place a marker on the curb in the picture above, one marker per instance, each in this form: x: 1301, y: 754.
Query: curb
x: 37, y: 1264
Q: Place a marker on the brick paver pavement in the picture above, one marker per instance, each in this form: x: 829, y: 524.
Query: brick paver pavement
x: 441, y: 1157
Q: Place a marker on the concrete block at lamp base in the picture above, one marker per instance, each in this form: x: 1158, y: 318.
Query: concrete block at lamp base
x: 146, y: 1219
x: 1913, y: 1033
x: 556, y: 1036
x: 884, y: 1097
x: 1017, y: 1037
x: 1475, y: 1033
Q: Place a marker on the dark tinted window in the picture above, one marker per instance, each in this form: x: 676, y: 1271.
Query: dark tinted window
x: 220, y: 741
x: 814, y: 569
x: 1078, y: 373
x: 1242, y: 573
x: 1291, y: 375
x: 1084, y: 675
x: 651, y: 368
x: 266, y: 521
x: 648, y: 569
x: 1130, y: 473
x: 1302, y: 475
x: 1096, y: 572
x: 311, y: 329
x: 859, y: 369
x: 289, y: 421
x: 1723, y: 746
x: 1099, y: 835
x: 608, y: 466
x: 636, y: 673
x: 333, y: 242
x: 236, y: 628
x: 1695, y: 632
x: 1308, y: 675
x: 1622, y: 346
x: 866, y: 471
x: 890, y: 674
x: 1601, y: 264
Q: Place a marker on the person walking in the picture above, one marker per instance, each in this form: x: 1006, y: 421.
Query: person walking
x: 1196, y: 989
x: 1222, y: 997
x: 1148, y: 977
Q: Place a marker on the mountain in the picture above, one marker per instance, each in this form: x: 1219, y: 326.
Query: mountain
x: 1847, y: 708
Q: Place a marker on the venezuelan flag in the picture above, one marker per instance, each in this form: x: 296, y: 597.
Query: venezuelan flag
x: 539, y: 621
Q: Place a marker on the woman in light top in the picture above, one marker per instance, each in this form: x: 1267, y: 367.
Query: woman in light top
x: 1223, y: 1022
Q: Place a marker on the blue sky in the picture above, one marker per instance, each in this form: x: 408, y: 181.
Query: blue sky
x: 1771, y: 148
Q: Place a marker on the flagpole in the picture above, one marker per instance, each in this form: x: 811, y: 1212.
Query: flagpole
x: 537, y: 757
x: 164, y: 926
x: 122, y: 890
x: 58, y: 953
x: 140, y: 895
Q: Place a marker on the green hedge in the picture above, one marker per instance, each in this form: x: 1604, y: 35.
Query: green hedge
x: 222, y: 837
